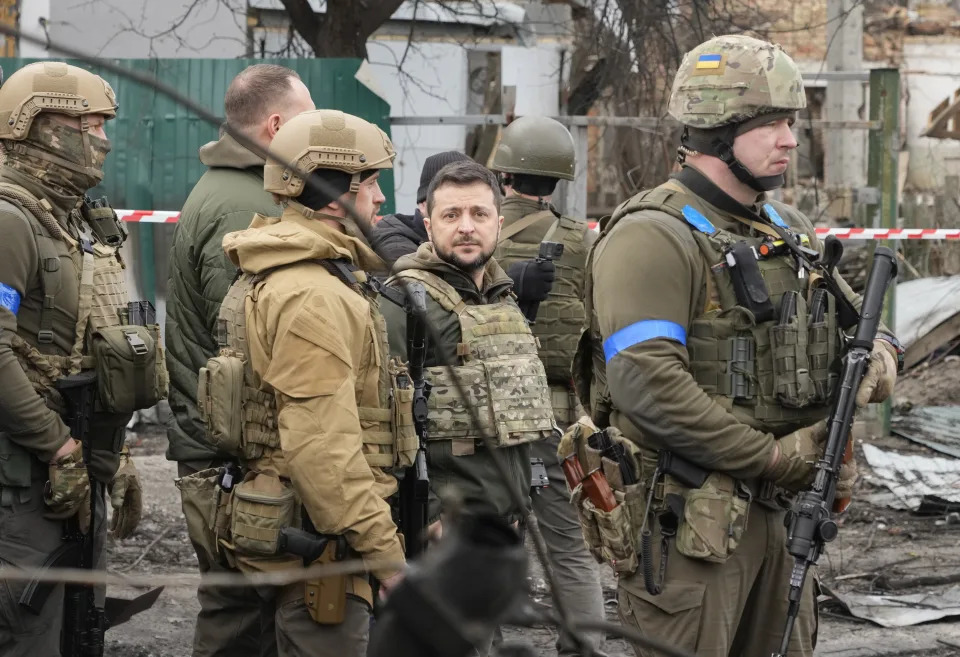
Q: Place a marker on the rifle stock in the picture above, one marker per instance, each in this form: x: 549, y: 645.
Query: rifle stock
x: 811, y: 525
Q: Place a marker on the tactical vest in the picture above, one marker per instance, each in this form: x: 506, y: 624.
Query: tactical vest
x: 560, y: 316
x: 230, y: 386
x: 102, y: 309
x: 499, y: 368
x: 774, y: 375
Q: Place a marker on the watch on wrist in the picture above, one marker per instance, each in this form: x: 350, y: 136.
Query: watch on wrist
x: 892, y: 341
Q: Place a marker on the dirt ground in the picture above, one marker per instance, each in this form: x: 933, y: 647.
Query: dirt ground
x: 872, y: 542
x: 931, y: 384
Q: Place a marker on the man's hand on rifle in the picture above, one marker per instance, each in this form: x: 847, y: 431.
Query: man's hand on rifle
x: 67, y: 492
x: 532, y: 279
x: 881, y: 375
x: 792, y: 464
x: 125, y: 497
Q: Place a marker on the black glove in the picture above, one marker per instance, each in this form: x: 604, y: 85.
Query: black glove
x: 532, y: 279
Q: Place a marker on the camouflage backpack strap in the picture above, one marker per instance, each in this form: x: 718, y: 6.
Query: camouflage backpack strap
x: 46, y: 233
x: 441, y: 291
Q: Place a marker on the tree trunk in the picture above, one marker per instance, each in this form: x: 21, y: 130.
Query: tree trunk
x: 345, y: 27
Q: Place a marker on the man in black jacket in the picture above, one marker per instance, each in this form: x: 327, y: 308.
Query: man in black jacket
x: 399, y: 234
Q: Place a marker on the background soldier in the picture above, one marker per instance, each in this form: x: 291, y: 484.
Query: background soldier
x: 534, y: 153
x: 258, y: 101
x: 316, y: 398
x: 63, y: 305
x: 683, y: 361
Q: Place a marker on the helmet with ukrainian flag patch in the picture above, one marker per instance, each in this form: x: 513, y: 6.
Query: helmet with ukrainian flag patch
x: 734, y: 78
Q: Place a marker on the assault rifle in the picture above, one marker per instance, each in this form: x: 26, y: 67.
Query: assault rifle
x: 415, y: 485
x: 84, y: 623
x: 810, y: 522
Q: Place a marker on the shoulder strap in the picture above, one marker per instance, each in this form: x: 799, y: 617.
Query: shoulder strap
x: 524, y: 223
x: 46, y: 232
x: 441, y: 291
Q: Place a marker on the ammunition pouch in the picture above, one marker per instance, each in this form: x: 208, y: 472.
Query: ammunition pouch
x: 714, y: 519
x: 405, y: 440
x: 791, y: 367
x: 131, y: 374
x: 260, y: 506
x: 220, y: 403
x: 206, y: 509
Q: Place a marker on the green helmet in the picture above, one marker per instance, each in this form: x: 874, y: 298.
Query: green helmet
x: 734, y: 78
x: 535, y: 145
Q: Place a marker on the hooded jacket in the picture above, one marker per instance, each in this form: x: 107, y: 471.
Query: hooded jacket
x: 224, y: 199
x: 474, y: 476
x: 313, y: 341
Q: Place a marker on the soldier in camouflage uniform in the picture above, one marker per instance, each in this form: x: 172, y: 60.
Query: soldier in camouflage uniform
x: 534, y: 153
x: 679, y: 361
x: 62, y: 293
x: 484, y: 334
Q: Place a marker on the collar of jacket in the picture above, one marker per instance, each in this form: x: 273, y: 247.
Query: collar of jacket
x: 515, y: 207
x: 62, y: 204
x: 228, y: 153
x: 698, y: 183
x: 496, y: 283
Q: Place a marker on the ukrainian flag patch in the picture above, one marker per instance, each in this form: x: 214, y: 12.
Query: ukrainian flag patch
x: 709, y: 61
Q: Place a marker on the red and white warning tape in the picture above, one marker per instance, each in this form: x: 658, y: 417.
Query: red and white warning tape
x: 166, y: 217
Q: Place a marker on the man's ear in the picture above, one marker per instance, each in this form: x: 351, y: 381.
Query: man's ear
x: 500, y: 225
x: 426, y: 224
x: 274, y: 121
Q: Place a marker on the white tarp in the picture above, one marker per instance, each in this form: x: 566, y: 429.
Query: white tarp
x: 909, y: 477
x: 901, y: 610
x: 925, y: 303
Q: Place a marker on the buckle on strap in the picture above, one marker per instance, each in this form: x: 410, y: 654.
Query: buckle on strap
x: 136, y: 343
x: 45, y: 336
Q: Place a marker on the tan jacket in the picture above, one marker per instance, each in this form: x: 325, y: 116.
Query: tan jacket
x: 314, y: 340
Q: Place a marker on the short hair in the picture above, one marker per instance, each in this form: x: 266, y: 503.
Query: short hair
x: 466, y: 172
x: 256, y: 91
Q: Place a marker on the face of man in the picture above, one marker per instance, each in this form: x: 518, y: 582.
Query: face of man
x: 464, y: 225
x: 765, y: 150
x: 96, y: 123
x: 368, y: 200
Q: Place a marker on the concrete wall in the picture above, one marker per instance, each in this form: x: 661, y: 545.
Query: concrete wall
x: 935, y: 62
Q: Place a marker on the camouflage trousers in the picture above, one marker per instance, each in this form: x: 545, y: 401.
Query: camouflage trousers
x: 232, y: 620
x: 26, y: 540
x: 735, y: 608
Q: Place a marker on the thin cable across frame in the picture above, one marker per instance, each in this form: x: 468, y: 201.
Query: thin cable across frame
x: 518, y: 497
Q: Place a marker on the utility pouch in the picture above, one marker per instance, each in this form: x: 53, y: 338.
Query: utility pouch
x: 788, y: 342
x: 326, y: 598
x: 405, y: 440
x: 15, y: 464
x: 748, y: 284
x: 261, y: 506
x: 220, y: 403
x: 714, y: 519
x: 130, y: 371
x: 823, y: 344
x: 588, y: 524
x: 103, y: 221
x: 200, y: 498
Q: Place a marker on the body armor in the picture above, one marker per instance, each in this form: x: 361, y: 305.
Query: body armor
x: 499, y: 367
x: 775, y: 375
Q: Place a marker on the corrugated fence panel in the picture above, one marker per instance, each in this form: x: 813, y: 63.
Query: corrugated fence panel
x: 154, y: 161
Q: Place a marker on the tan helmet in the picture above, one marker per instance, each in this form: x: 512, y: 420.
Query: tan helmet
x: 51, y: 87
x: 536, y: 145
x: 324, y: 139
x: 734, y: 78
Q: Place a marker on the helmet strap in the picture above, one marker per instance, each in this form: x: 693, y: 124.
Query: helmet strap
x: 719, y: 143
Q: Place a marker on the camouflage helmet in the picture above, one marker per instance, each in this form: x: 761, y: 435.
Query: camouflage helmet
x: 53, y: 87
x: 734, y: 78
x: 324, y: 139
x: 536, y: 145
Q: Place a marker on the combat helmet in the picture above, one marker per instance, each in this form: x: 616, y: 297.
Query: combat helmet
x: 536, y: 145
x: 324, y: 139
x: 51, y: 87
x: 727, y: 86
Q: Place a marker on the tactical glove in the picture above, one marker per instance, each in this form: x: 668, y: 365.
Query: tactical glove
x: 125, y: 497
x: 532, y: 279
x: 798, y: 454
x: 67, y: 492
x: 877, y: 384
x: 846, y: 480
